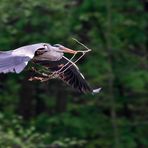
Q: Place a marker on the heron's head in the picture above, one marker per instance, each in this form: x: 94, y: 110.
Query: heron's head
x: 61, y: 48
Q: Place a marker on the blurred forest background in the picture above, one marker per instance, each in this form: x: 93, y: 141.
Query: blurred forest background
x: 52, y: 115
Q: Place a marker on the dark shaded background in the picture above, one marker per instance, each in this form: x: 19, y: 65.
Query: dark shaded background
x: 52, y: 115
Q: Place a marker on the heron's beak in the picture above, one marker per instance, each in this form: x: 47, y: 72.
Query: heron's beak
x: 67, y: 50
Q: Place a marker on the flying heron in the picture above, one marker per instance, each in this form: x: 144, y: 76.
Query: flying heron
x: 51, y: 57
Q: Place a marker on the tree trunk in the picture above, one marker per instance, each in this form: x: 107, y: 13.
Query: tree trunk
x: 26, y: 106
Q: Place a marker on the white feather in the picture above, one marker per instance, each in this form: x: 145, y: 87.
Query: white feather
x: 95, y: 91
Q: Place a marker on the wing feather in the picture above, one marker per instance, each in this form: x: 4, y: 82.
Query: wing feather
x: 16, y: 60
x: 72, y: 76
x: 11, y: 63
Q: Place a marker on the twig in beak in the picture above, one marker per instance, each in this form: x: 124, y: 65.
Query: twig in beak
x: 73, y: 62
x: 70, y: 60
x: 85, y: 51
x: 88, y: 49
x: 79, y: 51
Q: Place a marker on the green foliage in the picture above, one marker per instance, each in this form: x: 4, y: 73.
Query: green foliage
x: 14, y: 135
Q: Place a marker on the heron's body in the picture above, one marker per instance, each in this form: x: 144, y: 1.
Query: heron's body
x: 46, y: 55
x: 31, y: 49
x: 16, y: 60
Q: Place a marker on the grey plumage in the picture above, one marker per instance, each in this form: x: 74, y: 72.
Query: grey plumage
x: 16, y: 60
x: 13, y: 63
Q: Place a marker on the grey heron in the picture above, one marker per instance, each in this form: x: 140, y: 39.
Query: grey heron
x: 51, y: 57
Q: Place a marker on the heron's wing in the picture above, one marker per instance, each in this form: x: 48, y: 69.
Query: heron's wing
x: 72, y: 76
x: 12, y: 63
x: 16, y: 60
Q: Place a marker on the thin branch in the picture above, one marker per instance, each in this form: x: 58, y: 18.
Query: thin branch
x: 88, y: 49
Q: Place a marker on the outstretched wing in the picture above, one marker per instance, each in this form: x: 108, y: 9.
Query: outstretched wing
x: 16, y: 60
x: 12, y: 63
x: 72, y: 76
